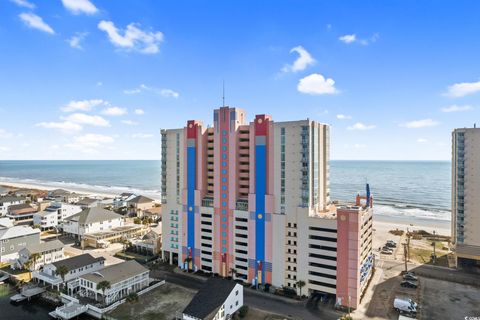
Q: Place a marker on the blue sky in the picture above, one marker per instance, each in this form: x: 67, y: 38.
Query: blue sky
x: 98, y: 79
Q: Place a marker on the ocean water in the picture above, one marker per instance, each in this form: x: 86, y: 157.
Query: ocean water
x: 407, y: 189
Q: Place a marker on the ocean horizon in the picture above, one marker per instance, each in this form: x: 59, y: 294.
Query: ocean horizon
x: 401, y: 188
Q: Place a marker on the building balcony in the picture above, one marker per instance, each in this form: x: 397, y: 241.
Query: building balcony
x: 207, y: 202
x: 241, y: 205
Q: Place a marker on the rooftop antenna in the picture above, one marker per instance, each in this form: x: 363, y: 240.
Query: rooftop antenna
x: 223, y: 93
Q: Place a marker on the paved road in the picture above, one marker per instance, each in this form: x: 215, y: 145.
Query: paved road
x: 258, y: 300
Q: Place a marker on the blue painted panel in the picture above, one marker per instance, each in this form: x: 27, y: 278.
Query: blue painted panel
x: 191, y: 177
x: 260, y: 190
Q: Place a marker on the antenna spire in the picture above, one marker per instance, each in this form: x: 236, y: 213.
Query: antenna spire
x: 223, y: 93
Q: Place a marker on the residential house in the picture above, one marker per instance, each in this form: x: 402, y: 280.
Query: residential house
x: 21, y: 213
x: 124, y: 278
x: 121, y: 200
x: 6, y: 223
x: 91, y: 220
x: 139, y: 204
x: 53, y: 215
x: 77, y: 266
x: 87, y: 203
x: 62, y: 195
x: 14, y: 239
x: 47, y: 252
x: 7, y: 201
x: 150, y: 243
x: 218, y: 299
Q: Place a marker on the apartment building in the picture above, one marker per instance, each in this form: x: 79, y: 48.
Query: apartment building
x: 7, y: 201
x: 14, y: 239
x: 251, y: 200
x: 465, y: 200
x: 54, y: 215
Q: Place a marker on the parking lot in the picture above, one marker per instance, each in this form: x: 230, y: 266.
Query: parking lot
x: 447, y: 300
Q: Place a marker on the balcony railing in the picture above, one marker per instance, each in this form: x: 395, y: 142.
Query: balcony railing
x: 241, y: 205
x: 207, y: 202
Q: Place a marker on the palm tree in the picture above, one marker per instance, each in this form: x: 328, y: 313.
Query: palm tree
x: 35, y: 257
x: 104, y: 286
x: 62, y: 272
x: 300, y: 285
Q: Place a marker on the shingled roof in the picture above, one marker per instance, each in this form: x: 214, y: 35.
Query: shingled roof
x: 78, y: 261
x: 211, y: 297
x: 92, y: 215
x: 141, y: 199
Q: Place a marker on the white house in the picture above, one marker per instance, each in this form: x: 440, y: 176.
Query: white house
x: 124, y: 278
x: 54, y: 215
x: 121, y: 200
x: 14, y: 239
x: 65, y: 196
x: 219, y: 299
x: 91, y: 220
x: 77, y: 266
x: 6, y: 223
x: 48, y: 252
x: 7, y: 201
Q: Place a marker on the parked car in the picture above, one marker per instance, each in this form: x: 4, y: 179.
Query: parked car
x: 405, y: 305
x: 391, y: 244
x: 410, y: 277
x: 386, y: 252
x: 409, y: 284
x: 387, y: 248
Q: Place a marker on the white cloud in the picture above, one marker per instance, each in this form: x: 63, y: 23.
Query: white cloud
x: 80, y: 6
x: 361, y: 126
x: 420, y: 124
x: 359, y: 146
x: 142, y: 135
x: 422, y: 140
x: 5, y: 149
x: 303, y: 61
x: 36, y: 22
x: 54, y: 147
x: 133, y: 38
x: 457, y: 108
x: 463, y: 88
x: 130, y: 122
x: 76, y: 40
x: 82, y: 118
x: 90, y: 142
x: 4, y: 134
x: 316, y: 84
x: 139, y: 111
x: 83, y: 105
x: 348, y: 38
x: 169, y: 93
x: 24, y: 3
x: 114, y: 111
x: 343, y: 117
x: 99, y: 83
x: 65, y: 127
x: 351, y: 38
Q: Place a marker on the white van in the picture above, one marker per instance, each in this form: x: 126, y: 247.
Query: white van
x: 405, y: 305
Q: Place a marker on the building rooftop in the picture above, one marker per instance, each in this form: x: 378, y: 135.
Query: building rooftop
x: 6, y: 223
x: 92, y: 215
x: 141, y: 199
x: 78, y: 261
x: 45, y: 246
x: 211, y: 297
x: 17, y: 231
x: 21, y: 206
x: 11, y: 199
x: 86, y: 201
x: 117, y: 272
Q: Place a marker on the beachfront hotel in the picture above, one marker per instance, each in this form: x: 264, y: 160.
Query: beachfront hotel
x: 465, y: 200
x: 251, y: 200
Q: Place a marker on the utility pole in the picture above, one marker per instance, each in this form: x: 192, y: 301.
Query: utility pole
x: 405, y: 255
x: 408, y: 244
x: 434, y: 258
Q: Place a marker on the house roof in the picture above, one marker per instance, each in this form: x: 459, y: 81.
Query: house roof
x: 17, y: 231
x: 21, y: 206
x: 92, y: 215
x: 11, y: 199
x: 59, y: 192
x: 117, y: 272
x: 141, y: 199
x: 6, y: 223
x: 126, y: 194
x: 211, y: 297
x: 45, y: 246
x: 78, y: 261
x: 87, y: 201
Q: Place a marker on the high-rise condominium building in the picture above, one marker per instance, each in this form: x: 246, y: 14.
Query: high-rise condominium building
x: 465, y: 197
x: 251, y: 200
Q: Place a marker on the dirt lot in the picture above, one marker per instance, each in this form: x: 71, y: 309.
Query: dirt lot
x: 159, y: 304
x: 447, y: 300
